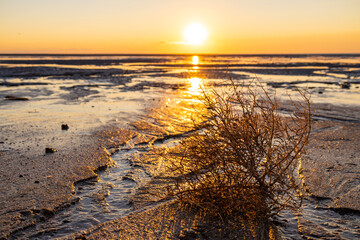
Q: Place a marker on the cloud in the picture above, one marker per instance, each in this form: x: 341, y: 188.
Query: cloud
x: 179, y: 43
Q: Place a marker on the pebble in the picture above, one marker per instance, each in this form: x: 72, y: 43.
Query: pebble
x: 14, y: 98
x: 64, y: 127
x: 345, y: 85
x: 50, y: 150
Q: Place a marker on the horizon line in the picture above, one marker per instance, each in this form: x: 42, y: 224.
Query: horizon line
x: 176, y: 54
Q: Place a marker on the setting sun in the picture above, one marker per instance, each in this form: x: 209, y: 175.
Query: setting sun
x: 195, y: 34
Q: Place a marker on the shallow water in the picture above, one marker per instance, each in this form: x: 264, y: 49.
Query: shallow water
x: 332, y: 79
x: 101, y: 199
x: 320, y: 222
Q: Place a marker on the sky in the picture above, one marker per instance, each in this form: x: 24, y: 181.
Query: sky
x: 157, y: 26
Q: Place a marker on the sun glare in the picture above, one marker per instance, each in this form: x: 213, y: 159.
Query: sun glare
x: 195, y: 60
x: 195, y: 34
x: 195, y: 85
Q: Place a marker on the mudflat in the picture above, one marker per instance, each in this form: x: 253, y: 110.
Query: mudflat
x: 86, y: 180
x: 330, y: 171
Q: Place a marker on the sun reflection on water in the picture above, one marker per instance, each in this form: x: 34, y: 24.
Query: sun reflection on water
x: 195, y: 60
x: 195, y: 85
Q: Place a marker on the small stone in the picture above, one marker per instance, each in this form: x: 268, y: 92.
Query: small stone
x: 36, y: 181
x: 14, y: 98
x: 21, y: 176
x: 345, y: 85
x: 50, y: 150
x: 64, y: 127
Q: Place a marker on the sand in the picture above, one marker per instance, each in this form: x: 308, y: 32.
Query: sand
x: 331, y: 174
x: 102, y: 117
x: 37, y: 185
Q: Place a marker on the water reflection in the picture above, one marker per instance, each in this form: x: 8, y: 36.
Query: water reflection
x: 195, y: 60
x: 195, y: 68
x: 195, y: 85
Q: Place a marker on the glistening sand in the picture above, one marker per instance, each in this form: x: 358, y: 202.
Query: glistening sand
x: 100, y: 97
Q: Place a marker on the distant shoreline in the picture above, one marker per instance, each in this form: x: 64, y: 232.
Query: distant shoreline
x: 182, y: 54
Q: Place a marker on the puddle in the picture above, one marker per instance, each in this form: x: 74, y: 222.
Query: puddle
x: 101, y: 200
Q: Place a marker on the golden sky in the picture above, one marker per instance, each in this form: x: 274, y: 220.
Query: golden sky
x: 157, y: 26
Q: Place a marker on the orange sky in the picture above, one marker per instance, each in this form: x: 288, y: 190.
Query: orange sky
x: 154, y: 26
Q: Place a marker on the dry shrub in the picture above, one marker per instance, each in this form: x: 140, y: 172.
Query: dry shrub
x: 243, y: 162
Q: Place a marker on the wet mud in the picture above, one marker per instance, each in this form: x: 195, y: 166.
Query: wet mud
x: 100, y: 175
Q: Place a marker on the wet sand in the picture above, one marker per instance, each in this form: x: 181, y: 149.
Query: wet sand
x: 111, y: 111
x: 330, y: 171
x: 38, y: 185
x: 35, y: 185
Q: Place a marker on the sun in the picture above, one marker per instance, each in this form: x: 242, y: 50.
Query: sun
x: 195, y: 34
